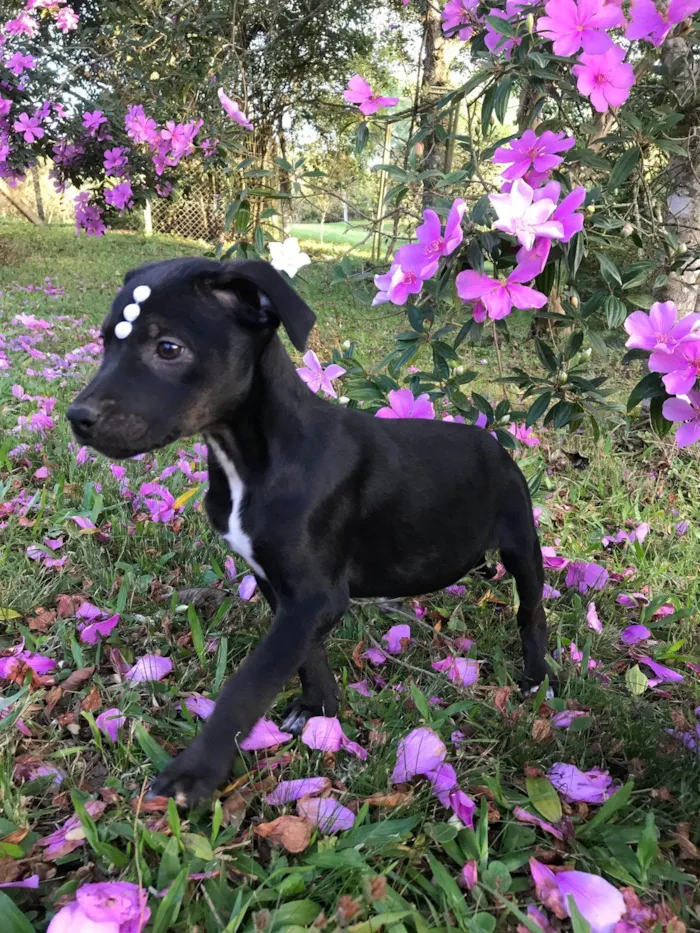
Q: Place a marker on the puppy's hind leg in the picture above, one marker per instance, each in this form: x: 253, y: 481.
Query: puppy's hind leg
x: 522, y: 557
x: 320, y: 695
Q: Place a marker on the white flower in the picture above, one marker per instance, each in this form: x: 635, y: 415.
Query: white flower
x: 287, y: 257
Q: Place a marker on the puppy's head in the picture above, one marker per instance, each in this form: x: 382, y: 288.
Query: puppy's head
x: 181, y: 344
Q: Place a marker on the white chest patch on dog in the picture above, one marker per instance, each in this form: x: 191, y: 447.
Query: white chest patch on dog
x: 235, y: 537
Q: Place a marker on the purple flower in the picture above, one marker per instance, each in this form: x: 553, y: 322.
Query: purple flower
x: 264, y: 734
x: 109, y: 906
x: 592, y: 619
x: 497, y: 43
x: 18, y: 63
x: 586, y: 576
x: 549, y: 592
x: 247, y: 586
x: 232, y: 110
x: 30, y: 127
x: 524, y: 434
x: 598, y: 901
x: 375, y: 656
x: 499, y: 297
x: 149, y: 667
x: 326, y: 813
x: 110, y: 722
x: 93, y: 120
x: 664, y: 675
x: 470, y: 874
x: 564, y: 719
x: 91, y: 634
x: 288, y: 791
x: 400, y: 281
x: 67, y: 19
x: 677, y: 409
x: 421, y: 752
x: 362, y: 687
x: 456, y: 590
x: 570, y: 25
x: 532, y: 152
x: 316, y: 377
x: 31, y: 882
x: 462, y: 671
x: 633, y: 634
x: 397, y: 639
x: 402, y: 404
x: 606, y: 79
x: 432, y: 245
x: 585, y: 786
x: 524, y: 218
x: 682, y: 527
x: 199, y: 705
x: 359, y: 92
x: 658, y: 330
x: 115, y: 161
x: 459, y: 15
x: 326, y: 734
x: 120, y: 196
x: 551, y: 561
x: 71, y: 835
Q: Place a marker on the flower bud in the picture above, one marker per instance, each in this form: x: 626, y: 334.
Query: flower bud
x: 419, y: 149
x: 346, y: 344
x: 683, y: 249
x: 627, y: 230
x: 587, y: 353
x: 590, y: 209
x: 530, y: 23
x: 459, y: 370
x: 574, y: 301
x: 343, y: 400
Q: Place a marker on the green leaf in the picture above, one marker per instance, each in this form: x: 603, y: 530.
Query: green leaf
x: 380, y: 921
x: 636, y: 681
x: 659, y: 424
x: 560, y: 415
x: 167, y: 913
x: 609, y: 271
x: 501, y: 26
x: 546, y: 356
x: 650, y: 386
x: 7, y: 614
x: 198, y: 845
x: 487, y: 105
x: 579, y: 924
x: 615, y: 312
x: 362, y: 137
x: 538, y: 408
x: 502, y: 97
x: 623, y: 168
x: 648, y: 847
x: 544, y: 798
x: 448, y: 886
x: 376, y: 835
x: 243, y: 217
x: 482, y: 923
x: 12, y: 920
x: 618, y: 800
x: 151, y: 749
x: 420, y: 702
x: 497, y: 876
x: 295, y: 913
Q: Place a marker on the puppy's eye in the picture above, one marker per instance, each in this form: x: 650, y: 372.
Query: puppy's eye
x: 167, y: 350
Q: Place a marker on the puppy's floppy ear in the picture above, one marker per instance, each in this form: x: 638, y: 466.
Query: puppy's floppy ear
x: 277, y: 300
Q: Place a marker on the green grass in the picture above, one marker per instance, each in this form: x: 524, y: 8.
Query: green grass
x: 397, y: 868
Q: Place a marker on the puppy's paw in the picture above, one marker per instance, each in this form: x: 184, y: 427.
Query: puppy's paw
x: 298, y: 714
x: 530, y: 685
x: 191, y: 777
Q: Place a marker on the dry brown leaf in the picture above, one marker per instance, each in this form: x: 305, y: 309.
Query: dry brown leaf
x: 357, y: 658
x: 500, y: 699
x: 150, y: 805
x: 377, y: 888
x: 52, y: 698
x: 542, y: 731
x: 235, y: 806
x: 109, y: 795
x: 687, y: 849
x: 16, y: 836
x: 388, y: 800
x: 291, y: 832
x: 77, y: 679
x: 92, y: 702
x: 42, y: 620
x: 348, y: 908
x: 66, y: 605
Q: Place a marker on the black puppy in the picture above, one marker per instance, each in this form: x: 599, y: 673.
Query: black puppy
x: 324, y: 503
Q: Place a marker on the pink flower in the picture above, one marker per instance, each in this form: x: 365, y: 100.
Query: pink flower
x: 264, y: 734
x: 461, y: 671
x: 419, y: 753
x: 606, y: 79
x: 677, y: 409
x: 326, y: 813
x: 470, y: 874
x: 199, y: 705
x: 31, y: 882
x: 682, y: 366
x: 23, y: 25
x: 287, y: 791
x: 18, y: 63
x: 362, y: 687
x: 586, y: 576
x: 116, y: 160
x: 598, y: 901
x: 85, y: 524
x: 497, y: 296
x: 638, y: 534
x: 459, y: 15
x: 633, y: 634
x: 432, y: 245
x: 551, y: 561
x: 232, y: 110
x: 93, y: 120
x: 397, y: 639
x: 149, y: 667
x: 91, y: 634
x: 525, y: 817
x: 316, y: 377
x: 658, y: 330
x: 402, y: 404
x: 110, y: 722
x: 359, y: 92
x: 592, y: 619
x: 400, y: 281
x: 326, y: 734
x: 496, y: 43
x: 531, y: 151
x: 571, y: 25
x: 105, y: 907
x: 587, y: 786
x: 70, y: 836
x: 120, y: 196
x: 647, y: 22
x: 247, y: 587
x: 519, y: 216
x: 67, y: 19
x: 564, y: 719
x: 524, y: 435
x: 664, y: 675
x: 30, y: 127
x: 139, y: 127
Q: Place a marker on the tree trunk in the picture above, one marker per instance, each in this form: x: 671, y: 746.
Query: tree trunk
x: 682, y: 207
x: 36, y: 181
x: 285, y: 204
x: 437, y: 57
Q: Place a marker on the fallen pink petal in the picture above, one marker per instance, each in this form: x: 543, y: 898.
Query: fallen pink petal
x: 419, y: 753
x: 664, y: 675
x: 110, y: 722
x: 592, y: 786
x: 526, y: 817
x: 149, y: 667
x: 326, y: 813
x: 199, y: 705
x: 247, y: 587
x: 633, y: 634
x: 362, y: 687
x: 593, y: 619
x: 461, y: 671
x: 288, y: 791
x: 470, y: 874
x: 397, y: 639
x: 564, y: 719
x: 32, y: 883
x: 325, y: 733
x: 264, y: 734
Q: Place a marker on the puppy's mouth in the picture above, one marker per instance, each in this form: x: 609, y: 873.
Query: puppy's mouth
x: 121, y: 448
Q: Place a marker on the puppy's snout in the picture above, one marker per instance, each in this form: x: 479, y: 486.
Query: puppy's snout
x: 83, y: 416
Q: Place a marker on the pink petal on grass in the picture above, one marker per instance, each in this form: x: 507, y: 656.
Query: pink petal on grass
x: 598, y: 901
x: 31, y: 882
x: 375, y: 656
x: 96, y: 630
x: 149, y: 667
x: 264, y: 734
x: 633, y: 634
x: 110, y: 722
x: 287, y: 791
x: 525, y: 817
x: 397, y: 639
x: 665, y: 675
x: 362, y: 687
x: 325, y: 734
x: 580, y: 786
x: 326, y: 813
x: 564, y: 719
x: 420, y: 752
x: 592, y: 619
x: 247, y: 587
x: 199, y: 705
x: 462, y: 671
x: 470, y: 874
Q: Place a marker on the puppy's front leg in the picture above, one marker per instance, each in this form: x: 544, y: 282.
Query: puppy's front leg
x: 206, y: 762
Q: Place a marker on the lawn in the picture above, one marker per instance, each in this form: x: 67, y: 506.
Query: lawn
x: 80, y: 545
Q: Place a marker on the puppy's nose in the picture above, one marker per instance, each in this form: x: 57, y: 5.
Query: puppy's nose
x: 83, y: 416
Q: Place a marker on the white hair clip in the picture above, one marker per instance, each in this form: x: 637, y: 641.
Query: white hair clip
x: 132, y: 311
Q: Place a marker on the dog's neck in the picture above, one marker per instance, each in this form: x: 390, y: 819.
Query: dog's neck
x: 273, y: 409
